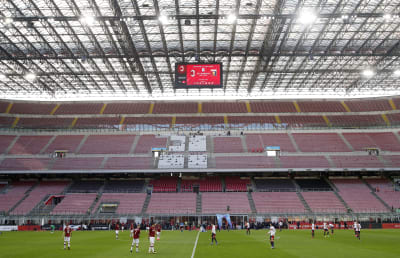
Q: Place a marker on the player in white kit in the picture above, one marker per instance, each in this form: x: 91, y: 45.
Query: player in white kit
x: 326, y: 230
x: 358, y: 230
x: 312, y: 229
x: 271, y: 233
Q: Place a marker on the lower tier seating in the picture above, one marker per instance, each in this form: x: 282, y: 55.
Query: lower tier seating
x: 278, y: 202
x: 172, y: 203
x: 225, y: 203
x: 75, y: 204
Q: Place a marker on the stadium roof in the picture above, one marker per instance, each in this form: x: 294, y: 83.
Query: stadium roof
x: 77, y: 49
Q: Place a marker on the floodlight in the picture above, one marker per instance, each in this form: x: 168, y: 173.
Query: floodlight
x: 231, y: 18
x: 368, y: 73
x: 387, y: 17
x: 87, y: 20
x: 396, y: 73
x: 2, y: 76
x: 30, y: 76
x: 307, y: 17
x: 8, y: 20
x: 163, y: 19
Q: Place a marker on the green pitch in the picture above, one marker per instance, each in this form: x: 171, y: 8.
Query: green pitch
x: 174, y: 244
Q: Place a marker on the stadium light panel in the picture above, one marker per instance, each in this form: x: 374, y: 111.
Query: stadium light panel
x: 30, y: 76
x: 387, y: 17
x: 2, y: 76
x: 231, y: 18
x: 163, y: 19
x: 396, y: 73
x: 307, y: 17
x: 8, y: 20
x: 368, y: 73
x: 87, y: 20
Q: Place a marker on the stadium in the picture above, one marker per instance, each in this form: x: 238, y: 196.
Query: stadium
x: 246, y: 114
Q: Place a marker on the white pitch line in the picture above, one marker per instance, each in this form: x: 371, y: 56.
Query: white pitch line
x: 195, y: 244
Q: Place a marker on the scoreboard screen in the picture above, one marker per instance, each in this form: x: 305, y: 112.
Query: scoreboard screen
x: 198, y: 75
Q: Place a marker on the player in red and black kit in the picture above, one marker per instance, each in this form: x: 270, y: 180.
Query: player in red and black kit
x: 152, y: 236
x: 116, y: 230
x: 136, y: 236
x: 158, y: 229
x: 67, y: 236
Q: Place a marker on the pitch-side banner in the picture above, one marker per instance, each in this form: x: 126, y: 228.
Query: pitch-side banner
x: 8, y: 228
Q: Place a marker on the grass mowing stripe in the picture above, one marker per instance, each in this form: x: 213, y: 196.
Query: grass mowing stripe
x: 195, y: 244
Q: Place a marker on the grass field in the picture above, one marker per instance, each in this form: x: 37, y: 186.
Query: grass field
x: 374, y: 243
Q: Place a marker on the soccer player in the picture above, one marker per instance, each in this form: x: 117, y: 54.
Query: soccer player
x: 136, y: 236
x: 271, y: 233
x: 280, y: 225
x: 312, y: 229
x: 116, y: 231
x: 331, y: 227
x: 326, y: 230
x: 158, y: 229
x: 247, y: 228
x: 213, y: 235
x: 67, y: 236
x: 358, y: 229
x: 354, y: 227
x: 152, y: 236
x: 131, y: 229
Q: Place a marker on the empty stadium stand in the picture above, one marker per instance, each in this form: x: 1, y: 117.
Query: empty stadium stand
x: 128, y: 203
x: 233, y: 203
x: 172, y: 203
x: 164, y: 184
x: 320, y: 142
x: 146, y: 142
x: 228, y: 144
x: 278, y: 202
x: 75, y: 203
x: 323, y: 202
x: 15, y: 192
x: 274, y: 185
x: 124, y: 186
x: 236, y: 184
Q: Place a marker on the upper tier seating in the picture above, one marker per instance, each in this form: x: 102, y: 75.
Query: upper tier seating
x: 24, y: 164
x: 128, y: 203
x: 357, y: 162
x: 313, y: 185
x: 31, y: 108
x: 147, y: 123
x: 44, y: 122
x: 14, y: 194
x: 164, y: 184
x: 75, y: 204
x: 245, y: 162
x: 358, y: 196
x: 127, y: 108
x: 272, y: 107
x: 224, y: 107
x: 146, y: 142
x: 199, y: 122
x: 85, y: 186
x: 236, y: 184
x: 6, y: 122
x: 104, y: 144
x: 368, y: 105
x: 278, y: 139
x: 124, y: 186
x: 5, y: 141
x: 386, y: 191
x: 29, y: 144
x: 218, y: 203
x: 128, y: 163
x: 172, y: 203
x: 274, y: 185
x: 79, y: 108
x: 38, y: 193
x: 274, y: 202
x: 324, y: 202
x: 175, y: 108
x: 206, y: 184
x: 320, y: 142
x: 97, y: 122
x: 303, y: 121
x: 65, y: 142
x: 385, y: 141
x: 392, y: 160
x: 304, y: 162
x: 356, y: 120
x: 3, y: 106
x: 77, y: 163
x: 227, y: 144
x: 321, y: 106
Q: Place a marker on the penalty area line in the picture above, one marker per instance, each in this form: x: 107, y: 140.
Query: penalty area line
x: 195, y: 244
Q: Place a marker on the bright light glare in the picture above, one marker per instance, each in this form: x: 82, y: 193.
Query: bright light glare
x: 163, y: 19
x: 30, y: 76
x: 8, y: 20
x: 307, y: 17
x: 396, y: 73
x: 368, y: 73
x: 2, y: 76
x: 87, y: 20
x: 231, y: 18
x: 387, y: 17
